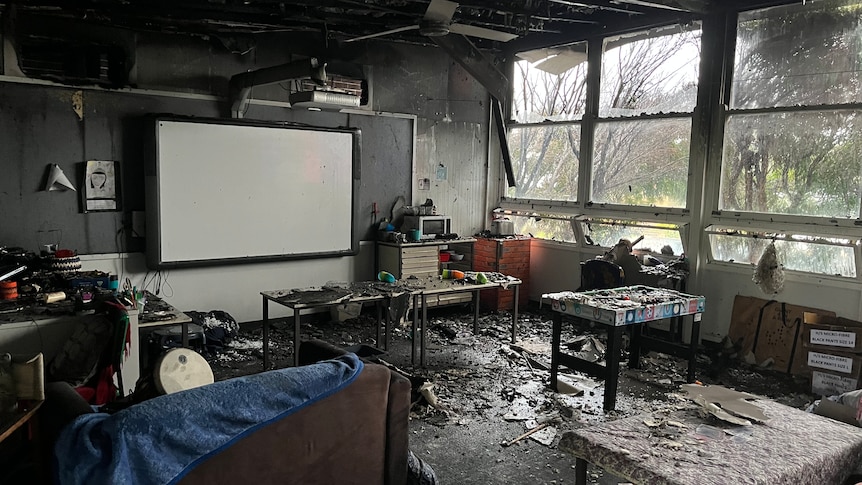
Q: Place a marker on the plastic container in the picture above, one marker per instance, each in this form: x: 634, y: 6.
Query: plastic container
x: 456, y: 257
x: 444, y: 257
x: 386, y: 277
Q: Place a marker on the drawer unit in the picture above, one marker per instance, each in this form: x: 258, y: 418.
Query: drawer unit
x: 422, y: 260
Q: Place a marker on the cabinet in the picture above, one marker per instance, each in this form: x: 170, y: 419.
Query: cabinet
x: 510, y: 256
x: 422, y: 260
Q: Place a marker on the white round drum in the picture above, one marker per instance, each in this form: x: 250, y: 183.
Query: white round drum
x: 181, y: 369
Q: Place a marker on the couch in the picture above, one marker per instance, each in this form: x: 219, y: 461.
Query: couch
x: 335, y: 421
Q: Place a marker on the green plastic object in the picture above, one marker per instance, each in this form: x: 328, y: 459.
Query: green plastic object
x: 386, y: 277
x: 481, y: 278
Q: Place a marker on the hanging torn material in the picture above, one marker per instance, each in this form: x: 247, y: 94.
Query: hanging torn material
x: 769, y: 273
x: 57, y: 180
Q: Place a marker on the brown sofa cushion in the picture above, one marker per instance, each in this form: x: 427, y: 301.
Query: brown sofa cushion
x: 341, y: 439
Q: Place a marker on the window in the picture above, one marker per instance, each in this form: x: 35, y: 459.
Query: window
x: 792, y: 148
x: 800, y: 153
x: 834, y: 256
x: 640, y: 159
x: 662, y: 238
x: 642, y: 162
x: 640, y: 135
x: 549, y: 97
x: 554, y: 228
x: 546, y: 158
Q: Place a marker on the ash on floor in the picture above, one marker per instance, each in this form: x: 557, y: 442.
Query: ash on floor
x: 487, y: 392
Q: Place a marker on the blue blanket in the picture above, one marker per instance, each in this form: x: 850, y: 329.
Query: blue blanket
x: 161, y: 440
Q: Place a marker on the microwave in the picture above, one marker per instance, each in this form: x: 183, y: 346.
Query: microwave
x: 429, y: 226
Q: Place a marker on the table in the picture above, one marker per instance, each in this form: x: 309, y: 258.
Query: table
x: 436, y: 287
x: 378, y: 293
x: 792, y: 447
x: 617, y: 308
x: 299, y: 299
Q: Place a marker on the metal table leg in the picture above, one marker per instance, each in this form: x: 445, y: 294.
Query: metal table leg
x: 475, y: 312
x: 580, y: 471
x: 692, y: 346
x: 515, y: 315
x: 265, y: 334
x: 635, y: 346
x: 422, y: 336
x: 415, y: 325
x: 555, y: 348
x: 296, y: 313
x: 185, y: 329
x: 612, y: 363
x: 379, y: 306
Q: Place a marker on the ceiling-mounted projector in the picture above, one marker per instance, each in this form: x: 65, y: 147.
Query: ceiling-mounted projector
x: 328, y: 100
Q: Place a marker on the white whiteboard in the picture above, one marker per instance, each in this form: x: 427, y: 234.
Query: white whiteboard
x: 224, y: 191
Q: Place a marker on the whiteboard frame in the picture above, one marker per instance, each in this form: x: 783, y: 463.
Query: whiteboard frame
x: 155, y: 257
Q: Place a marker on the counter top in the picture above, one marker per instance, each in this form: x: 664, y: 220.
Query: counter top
x: 428, y: 242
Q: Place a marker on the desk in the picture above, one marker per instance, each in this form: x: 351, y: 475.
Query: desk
x: 378, y: 293
x: 792, y: 447
x: 629, y: 306
x: 438, y: 287
x: 309, y: 298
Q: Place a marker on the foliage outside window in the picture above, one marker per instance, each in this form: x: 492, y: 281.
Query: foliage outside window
x: 800, y: 66
x: 640, y: 140
x: 549, y: 95
x: 644, y: 161
x: 551, y: 228
x: 656, y: 236
x: 834, y: 256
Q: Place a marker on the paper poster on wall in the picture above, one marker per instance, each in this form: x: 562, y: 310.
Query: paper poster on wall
x: 100, y: 186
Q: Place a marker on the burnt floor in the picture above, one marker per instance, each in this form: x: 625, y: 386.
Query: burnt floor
x: 489, y: 391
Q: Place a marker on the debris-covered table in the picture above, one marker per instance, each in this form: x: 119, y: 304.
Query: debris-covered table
x: 436, y: 286
x: 616, y: 309
x: 383, y: 294
x: 331, y: 295
x: 682, y: 447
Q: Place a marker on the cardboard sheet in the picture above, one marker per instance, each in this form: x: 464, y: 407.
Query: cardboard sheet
x: 771, y: 329
x: 729, y: 400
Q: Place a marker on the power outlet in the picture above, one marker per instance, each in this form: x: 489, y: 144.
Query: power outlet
x: 139, y: 224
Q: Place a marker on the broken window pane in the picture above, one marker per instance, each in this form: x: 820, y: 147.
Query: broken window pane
x: 550, y: 84
x: 655, y: 235
x: 650, y: 72
x: 641, y: 162
x: 800, y: 54
x: 556, y: 229
x: 804, y: 163
x: 545, y: 160
x: 813, y: 254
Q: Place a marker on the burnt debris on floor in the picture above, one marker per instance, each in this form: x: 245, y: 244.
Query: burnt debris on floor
x: 483, y: 410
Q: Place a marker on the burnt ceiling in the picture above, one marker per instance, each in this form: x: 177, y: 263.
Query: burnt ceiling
x: 521, y: 24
